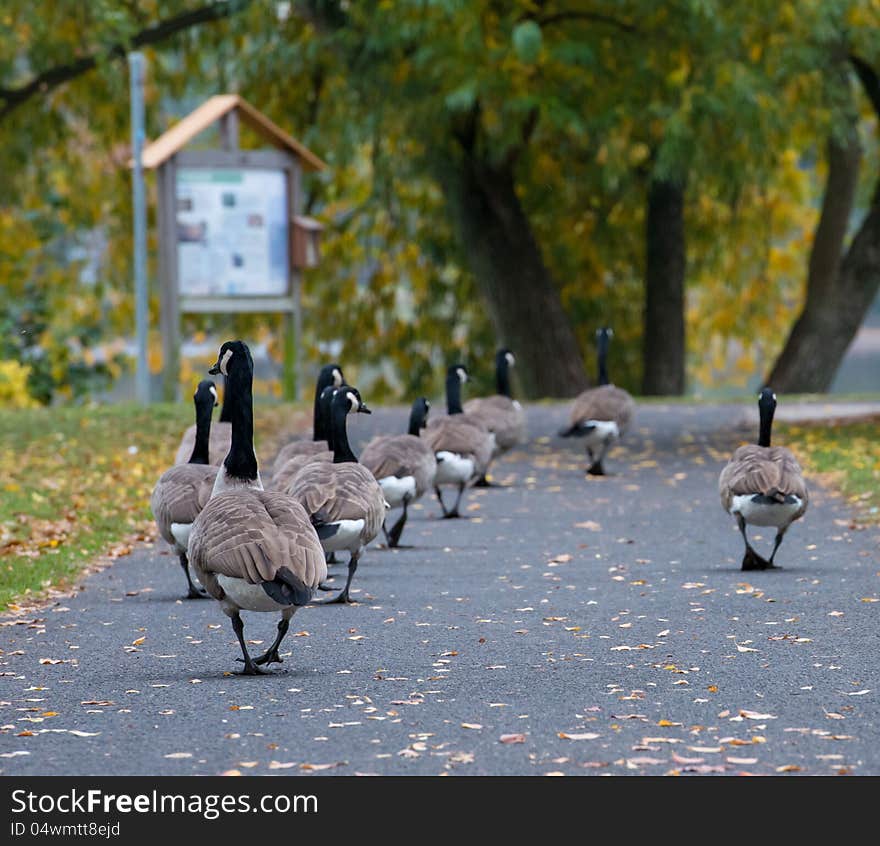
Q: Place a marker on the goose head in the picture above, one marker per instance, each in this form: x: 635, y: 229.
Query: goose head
x: 206, y: 393
x: 234, y: 357
x: 350, y: 398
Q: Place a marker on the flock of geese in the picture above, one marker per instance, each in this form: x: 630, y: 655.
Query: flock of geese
x: 266, y: 547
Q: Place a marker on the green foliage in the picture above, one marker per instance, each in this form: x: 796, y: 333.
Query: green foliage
x: 591, y: 103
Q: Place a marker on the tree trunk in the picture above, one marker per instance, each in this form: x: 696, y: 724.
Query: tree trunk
x: 522, y: 299
x: 838, y: 295
x: 663, y: 331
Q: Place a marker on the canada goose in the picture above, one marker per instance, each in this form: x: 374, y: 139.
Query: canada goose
x: 404, y: 465
x: 500, y: 413
x: 329, y: 375
x: 763, y: 486
x: 600, y: 415
x: 181, y: 492
x: 253, y: 550
x: 218, y: 445
x: 343, y: 500
x: 462, y: 445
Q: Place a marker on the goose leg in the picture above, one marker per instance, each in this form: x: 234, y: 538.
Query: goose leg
x: 440, y: 500
x: 779, y: 536
x: 454, y: 511
x: 751, y: 559
x: 393, y: 537
x: 192, y: 592
x: 250, y: 668
x: 596, y: 468
x: 271, y: 656
x: 342, y: 596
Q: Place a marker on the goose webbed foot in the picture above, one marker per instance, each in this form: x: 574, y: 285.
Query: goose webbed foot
x: 446, y: 512
x: 325, y: 586
x: 195, y: 593
x: 753, y: 561
x: 271, y: 656
x: 483, y: 482
x: 342, y: 597
x: 596, y: 469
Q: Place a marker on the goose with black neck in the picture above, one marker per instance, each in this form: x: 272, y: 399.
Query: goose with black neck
x: 600, y: 415
x: 404, y: 466
x: 181, y: 492
x: 253, y: 550
x: 500, y: 413
x: 343, y: 500
x: 462, y: 445
x: 763, y: 485
x: 330, y: 376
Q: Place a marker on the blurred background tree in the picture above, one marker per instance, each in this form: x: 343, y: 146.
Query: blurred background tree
x: 697, y: 174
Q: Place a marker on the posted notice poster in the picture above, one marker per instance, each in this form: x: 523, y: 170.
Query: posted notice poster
x: 232, y: 232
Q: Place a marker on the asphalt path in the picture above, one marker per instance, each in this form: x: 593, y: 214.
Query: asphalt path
x: 567, y: 625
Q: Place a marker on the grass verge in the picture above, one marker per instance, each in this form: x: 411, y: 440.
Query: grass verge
x: 75, y: 484
x: 847, y: 455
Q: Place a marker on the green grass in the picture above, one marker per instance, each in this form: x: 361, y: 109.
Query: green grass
x: 847, y: 455
x: 75, y: 484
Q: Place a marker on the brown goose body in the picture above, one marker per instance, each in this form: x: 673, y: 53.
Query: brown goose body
x: 246, y: 538
x: 219, y: 443
x: 331, y: 493
x: 180, y: 494
x: 399, y: 456
x: 292, y: 466
x: 297, y: 448
x: 458, y: 435
x: 604, y: 403
x: 772, y: 472
x: 502, y: 416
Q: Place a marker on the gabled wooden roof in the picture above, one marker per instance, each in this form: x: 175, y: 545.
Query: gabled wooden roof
x: 172, y: 141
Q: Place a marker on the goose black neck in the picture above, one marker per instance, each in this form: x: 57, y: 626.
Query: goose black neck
x: 225, y: 411
x: 453, y: 394
x: 603, y: 361
x: 416, y: 420
x: 338, y: 431
x: 325, y: 401
x: 241, y: 462
x: 201, y: 448
x: 319, y: 426
x: 502, y: 377
x: 766, y: 410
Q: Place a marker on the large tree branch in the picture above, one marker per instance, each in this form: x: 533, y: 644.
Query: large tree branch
x: 592, y: 17
x: 47, y: 80
x: 869, y: 79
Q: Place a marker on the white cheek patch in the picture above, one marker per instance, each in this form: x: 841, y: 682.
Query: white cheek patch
x: 353, y: 402
x: 213, y: 390
x: 510, y: 359
x: 224, y: 362
x: 337, y: 377
x: 462, y: 375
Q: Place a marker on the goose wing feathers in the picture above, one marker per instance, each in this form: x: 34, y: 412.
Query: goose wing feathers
x: 219, y: 441
x: 302, y: 447
x: 771, y: 471
x: 176, y: 497
x: 253, y: 535
x: 346, y: 491
x: 293, y: 465
x: 452, y: 434
x: 607, y: 402
x: 401, y: 455
x: 501, y: 415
